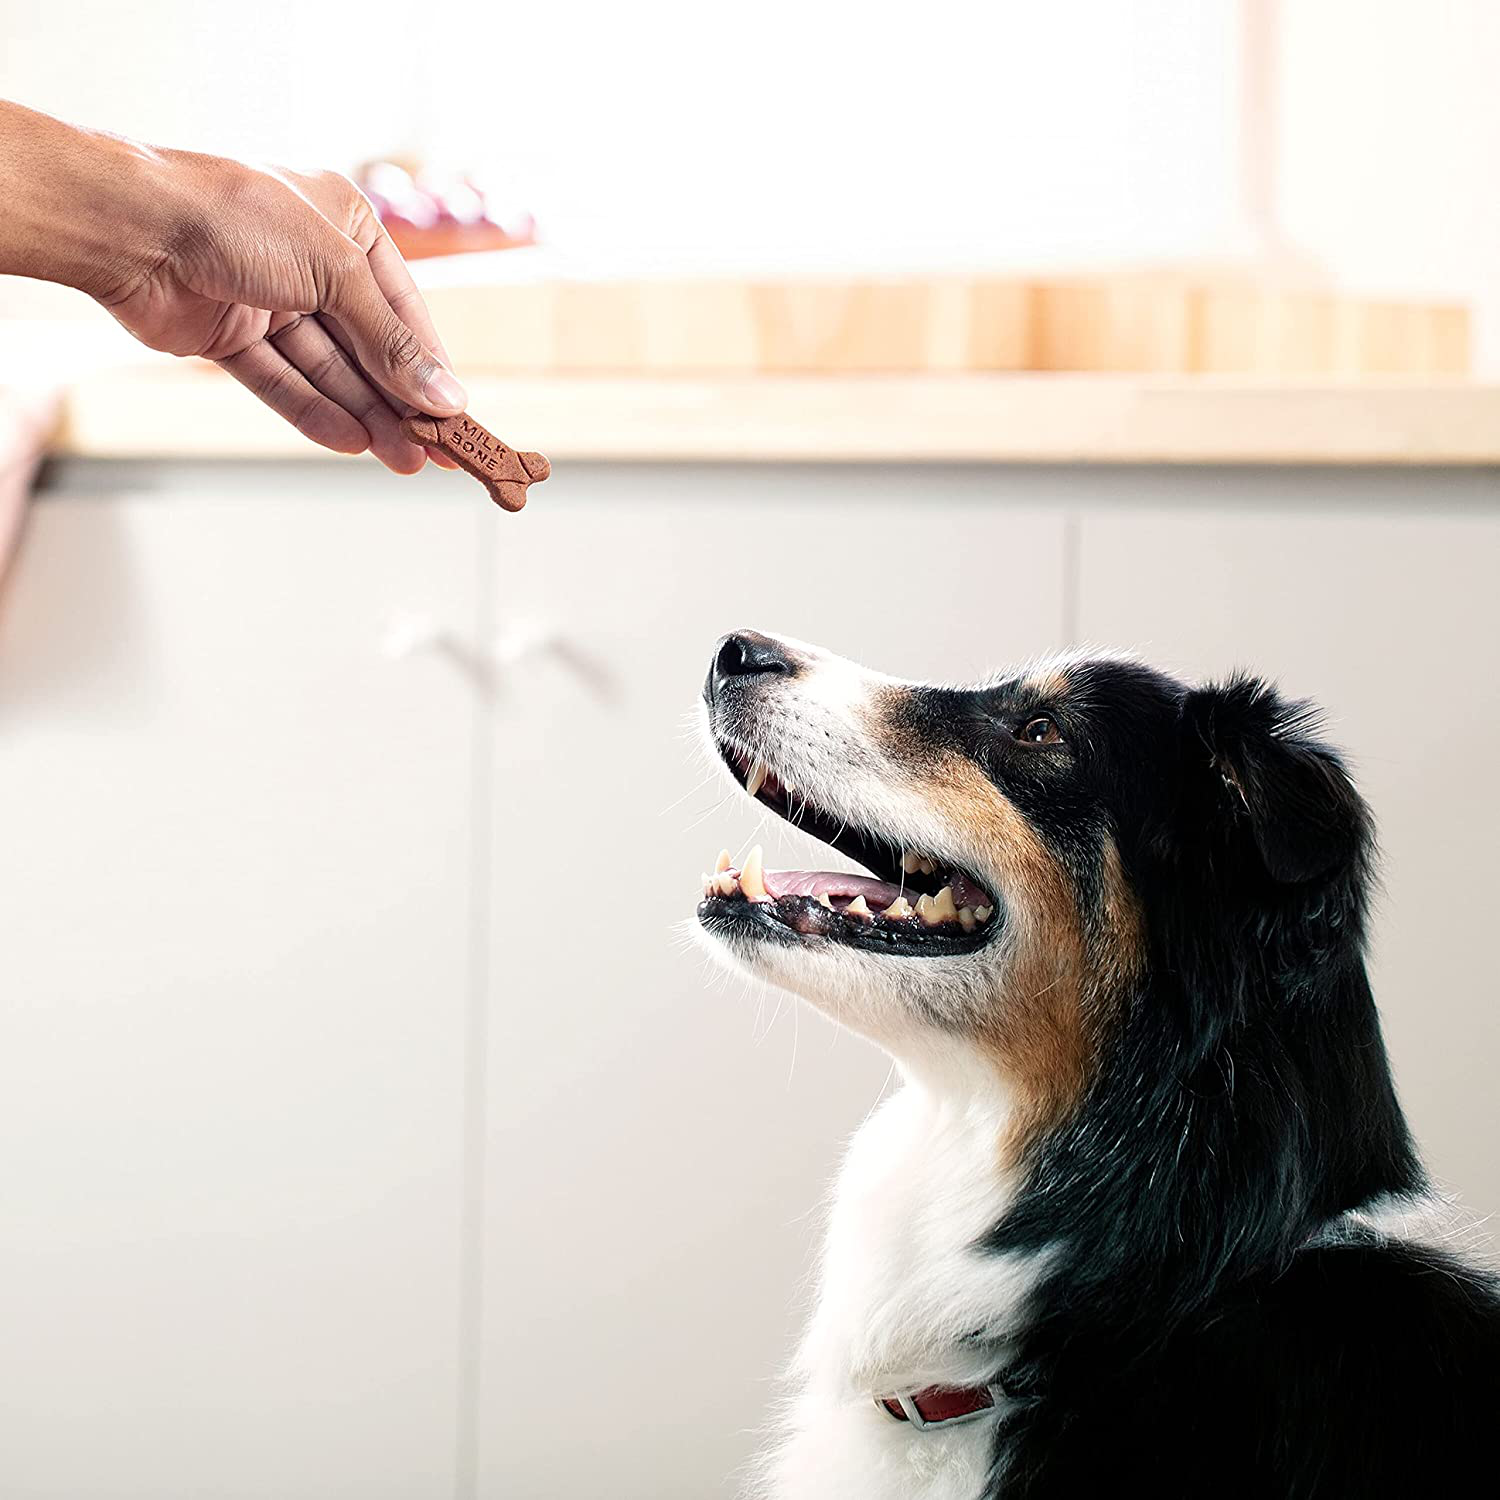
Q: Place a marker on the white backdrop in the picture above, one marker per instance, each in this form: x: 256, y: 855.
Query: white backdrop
x: 831, y: 133
x: 950, y: 131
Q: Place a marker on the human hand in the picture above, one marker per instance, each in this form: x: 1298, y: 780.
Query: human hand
x: 284, y: 279
x: 288, y: 282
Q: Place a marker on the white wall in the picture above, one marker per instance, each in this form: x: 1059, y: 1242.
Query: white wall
x: 833, y: 133
x: 1389, y: 146
x: 785, y: 130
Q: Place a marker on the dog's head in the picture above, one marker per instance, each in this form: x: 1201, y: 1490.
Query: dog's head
x: 1037, y: 846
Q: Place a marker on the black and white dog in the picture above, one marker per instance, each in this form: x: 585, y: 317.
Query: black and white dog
x: 1144, y: 1216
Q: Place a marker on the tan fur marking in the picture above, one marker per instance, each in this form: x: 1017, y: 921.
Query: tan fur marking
x: 1053, y: 686
x: 1043, y: 1024
x: 1060, y: 984
x: 1037, y: 1030
x: 1118, y: 949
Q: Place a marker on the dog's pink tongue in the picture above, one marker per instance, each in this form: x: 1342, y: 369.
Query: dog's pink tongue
x: 815, y: 883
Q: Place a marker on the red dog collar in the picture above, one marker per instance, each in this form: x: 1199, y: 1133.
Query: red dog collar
x: 940, y: 1406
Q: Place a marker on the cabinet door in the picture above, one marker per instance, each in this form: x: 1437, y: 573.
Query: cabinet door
x: 1389, y: 619
x: 234, y: 897
x: 662, y: 1136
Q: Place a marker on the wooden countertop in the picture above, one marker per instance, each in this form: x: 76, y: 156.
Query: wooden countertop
x: 174, y: 409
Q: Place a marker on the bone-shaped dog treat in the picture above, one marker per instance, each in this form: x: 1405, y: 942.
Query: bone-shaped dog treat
x: 501, y: 470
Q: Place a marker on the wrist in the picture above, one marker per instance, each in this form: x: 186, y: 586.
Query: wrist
x: 87, y: 209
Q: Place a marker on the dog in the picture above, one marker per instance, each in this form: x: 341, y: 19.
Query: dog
x: 1144, y: 1215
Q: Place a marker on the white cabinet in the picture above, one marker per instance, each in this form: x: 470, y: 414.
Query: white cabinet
x: 661, y: 1137
x: 1386, y: 616
x: 234, y: 898
x: 369, y: 1124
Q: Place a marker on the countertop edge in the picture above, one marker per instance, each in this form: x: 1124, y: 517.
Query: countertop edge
x: 177, y: 410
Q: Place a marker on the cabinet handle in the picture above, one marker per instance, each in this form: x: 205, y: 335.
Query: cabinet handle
x: 527, y: 640
x: 411, y: 634
x: 407, y: 635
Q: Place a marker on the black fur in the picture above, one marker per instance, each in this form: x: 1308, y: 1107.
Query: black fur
x: 1204, y: 1328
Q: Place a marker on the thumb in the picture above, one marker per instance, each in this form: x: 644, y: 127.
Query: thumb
x: 389, y: 351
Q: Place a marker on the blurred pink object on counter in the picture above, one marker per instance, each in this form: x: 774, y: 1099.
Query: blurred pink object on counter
x: 436, y: 214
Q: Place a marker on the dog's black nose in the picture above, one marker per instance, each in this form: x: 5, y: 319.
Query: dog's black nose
x: 746, y: 653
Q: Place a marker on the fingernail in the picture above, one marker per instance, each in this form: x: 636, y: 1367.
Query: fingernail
x: 445, y: 390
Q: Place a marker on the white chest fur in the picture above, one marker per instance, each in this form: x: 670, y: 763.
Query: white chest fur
x: 904, y: 1301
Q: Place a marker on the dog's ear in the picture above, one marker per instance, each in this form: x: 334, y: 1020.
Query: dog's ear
x: 1269, y: 774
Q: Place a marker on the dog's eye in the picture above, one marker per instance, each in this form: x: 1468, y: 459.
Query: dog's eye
x: 1041, y: 731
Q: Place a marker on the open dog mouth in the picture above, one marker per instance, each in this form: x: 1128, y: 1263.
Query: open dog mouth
x: 912, y: 903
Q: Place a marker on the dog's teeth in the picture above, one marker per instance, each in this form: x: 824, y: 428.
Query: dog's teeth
x: 934, y: 910
x: 966, y: 918
x: 752, y: 881
x: 858, y: 907
x: 824, y: 901
x: 898, y: 910
x: 723, y: 863
x: 788, y: 787
x: 911, y: 863
x: 757, y: 777
x: 726, y: 884
x: 928, y: 866
x: 984, y: 913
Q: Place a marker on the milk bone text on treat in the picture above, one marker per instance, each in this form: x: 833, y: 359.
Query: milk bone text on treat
x: 504, y: 472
